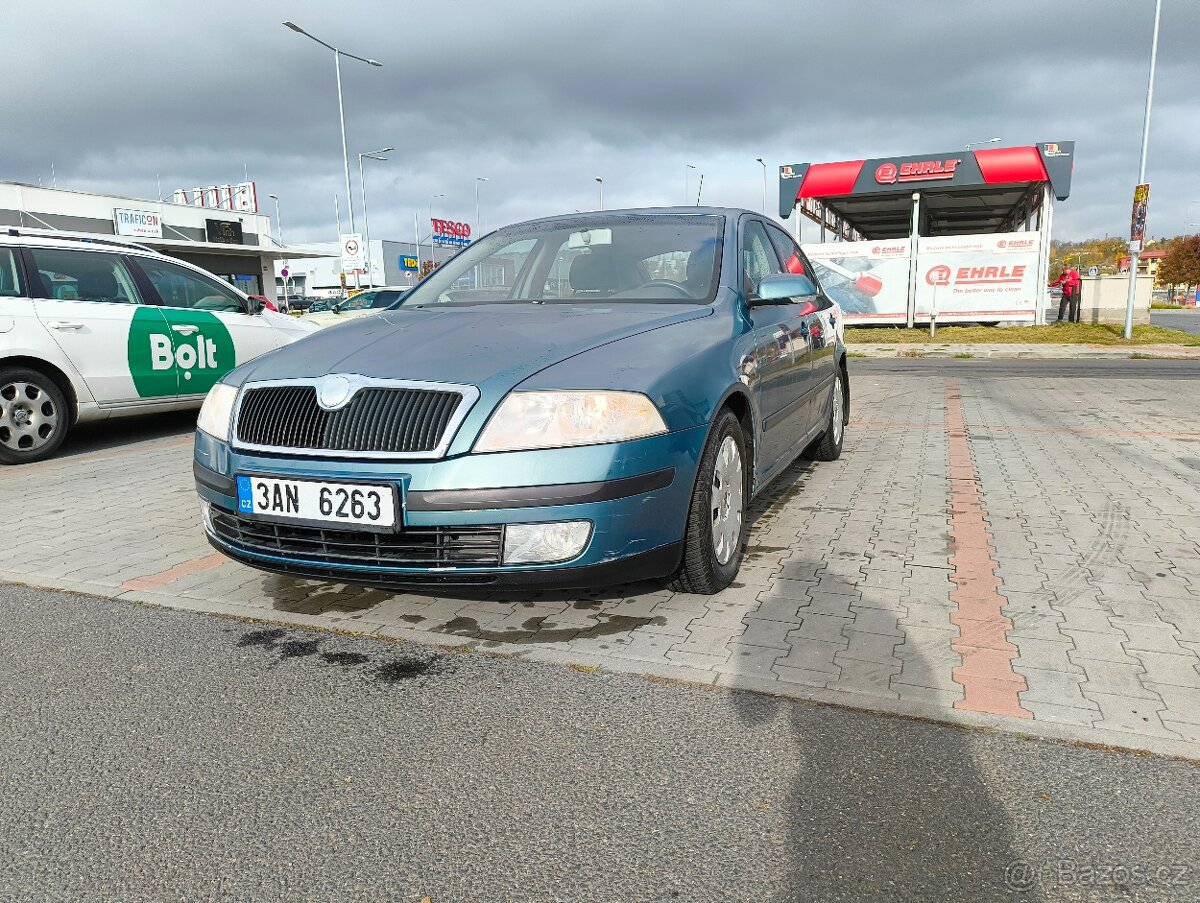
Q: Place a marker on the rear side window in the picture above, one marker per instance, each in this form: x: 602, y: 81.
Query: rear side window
x: 69, y: 275
x: 180, y: 287
x: 10, y: 281
x: 385, y: 299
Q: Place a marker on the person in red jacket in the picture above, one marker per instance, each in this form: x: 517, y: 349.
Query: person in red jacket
x: 1071, y: 285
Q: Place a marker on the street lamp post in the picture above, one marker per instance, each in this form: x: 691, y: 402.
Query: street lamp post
x: 977, y: 143
x: 337, y: 68
x: 1133, y: 253
x: 279, y: 241
x: 431, y: 200
x: 687, y: 183
x: 478, y: 179
x: 764, y: 166
x: 362, y: 184
x: 601, y: 181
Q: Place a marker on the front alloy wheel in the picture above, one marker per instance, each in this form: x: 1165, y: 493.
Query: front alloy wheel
x: 716, y: 525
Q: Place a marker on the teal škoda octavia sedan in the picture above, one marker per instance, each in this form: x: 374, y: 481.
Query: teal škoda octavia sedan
x: 573, y: 401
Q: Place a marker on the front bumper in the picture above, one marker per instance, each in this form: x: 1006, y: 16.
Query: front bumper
x: 635, y: 495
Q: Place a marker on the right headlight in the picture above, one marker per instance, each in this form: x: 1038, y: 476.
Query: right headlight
x: 528, y: 420
x: 217, y: 411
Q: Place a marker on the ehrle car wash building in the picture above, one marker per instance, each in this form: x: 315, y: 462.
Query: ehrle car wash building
x: 219, y: 228
x: 959, y: 236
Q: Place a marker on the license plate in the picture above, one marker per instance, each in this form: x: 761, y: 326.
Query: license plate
x: 314, y: 501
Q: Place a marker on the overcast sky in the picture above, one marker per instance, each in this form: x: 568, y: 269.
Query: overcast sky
x: 542, y: 97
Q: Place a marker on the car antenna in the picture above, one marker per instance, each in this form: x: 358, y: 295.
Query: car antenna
x: 700, y: 189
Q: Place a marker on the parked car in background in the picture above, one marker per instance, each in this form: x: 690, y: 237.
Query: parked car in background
x: 97, y: 328
x: 603, y: 411
x: 368, y: 301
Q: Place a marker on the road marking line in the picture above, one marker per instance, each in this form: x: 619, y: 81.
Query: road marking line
x: 162, y: 578
x: 989, y: 682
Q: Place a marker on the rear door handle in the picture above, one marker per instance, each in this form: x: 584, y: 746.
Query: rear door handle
x: 64, y: 324
x: 186, y: 330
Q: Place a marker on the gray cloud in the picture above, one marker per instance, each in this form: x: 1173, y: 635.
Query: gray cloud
x: 542, y: 97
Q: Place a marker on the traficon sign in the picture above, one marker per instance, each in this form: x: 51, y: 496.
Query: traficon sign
x: 446, y: 232
x: 137, y: 223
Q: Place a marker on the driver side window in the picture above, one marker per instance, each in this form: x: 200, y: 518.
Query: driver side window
x: 179, y: 287
x: 758, y: 255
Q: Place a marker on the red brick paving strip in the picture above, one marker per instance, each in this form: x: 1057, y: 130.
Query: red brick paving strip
x: 162, y: 578
x: 986, y: 674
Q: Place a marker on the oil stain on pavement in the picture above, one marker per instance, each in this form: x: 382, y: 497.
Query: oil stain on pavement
x: 394, y: 670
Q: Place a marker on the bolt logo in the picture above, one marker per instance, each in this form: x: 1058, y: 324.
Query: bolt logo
x: 885, y: 173
x: 938, y: 275
x: 174, y: 351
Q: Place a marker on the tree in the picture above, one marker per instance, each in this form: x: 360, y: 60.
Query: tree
x: 1181, y: 266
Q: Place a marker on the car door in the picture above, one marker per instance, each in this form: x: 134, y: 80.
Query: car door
x: 210, y: 326
x: 89, y: 303
x: 780, y: 351
x: 817, y: 331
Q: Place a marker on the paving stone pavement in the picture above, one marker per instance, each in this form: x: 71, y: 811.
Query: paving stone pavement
x: 1088, y: 487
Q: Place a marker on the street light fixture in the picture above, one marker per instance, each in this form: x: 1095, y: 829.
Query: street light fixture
x: 431, y: 200
x: 1135, y: 251
x: 362, y: 185
x: 687, y: 188
x: 478, y: 179
x: 764, y: 166
x: 977, y: 143
x: 337, y: 67
x: 601, y: 181
x: 278, y: 221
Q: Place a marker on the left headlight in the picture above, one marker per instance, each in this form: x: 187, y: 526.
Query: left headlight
x: 217, y: 411
x: 527, y: 420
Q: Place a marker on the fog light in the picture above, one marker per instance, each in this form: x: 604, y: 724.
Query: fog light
x: 545, y: 543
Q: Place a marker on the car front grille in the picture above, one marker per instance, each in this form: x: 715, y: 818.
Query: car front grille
x: 379, y: 420
x: 412, y: 547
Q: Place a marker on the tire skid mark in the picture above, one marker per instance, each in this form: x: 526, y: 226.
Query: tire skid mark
x: 989, y: 682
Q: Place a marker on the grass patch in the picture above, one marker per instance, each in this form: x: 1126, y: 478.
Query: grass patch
x: 963, y: 357
x: 1065, y: 334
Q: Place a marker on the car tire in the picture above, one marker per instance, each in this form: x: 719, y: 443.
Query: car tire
x: 717, y: 524
x: 829, y: 446
x: 34, y: 417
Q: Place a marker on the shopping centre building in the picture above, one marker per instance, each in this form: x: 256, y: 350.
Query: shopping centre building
x: 218, y: 228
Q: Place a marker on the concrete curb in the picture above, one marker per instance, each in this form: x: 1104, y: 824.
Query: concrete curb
x: 1033, y: 352
x: 708, y: 680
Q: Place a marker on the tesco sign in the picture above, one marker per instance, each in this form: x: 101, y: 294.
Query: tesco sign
x: 446, y: 232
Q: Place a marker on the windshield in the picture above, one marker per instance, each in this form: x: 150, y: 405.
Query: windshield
x: 585, y: 259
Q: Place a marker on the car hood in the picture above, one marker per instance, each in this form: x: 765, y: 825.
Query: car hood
x: 493, y: 347
x: 330, y: 317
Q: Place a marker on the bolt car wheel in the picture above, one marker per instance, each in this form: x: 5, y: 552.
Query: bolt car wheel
x: 33, y: 416
x: 717, y: 525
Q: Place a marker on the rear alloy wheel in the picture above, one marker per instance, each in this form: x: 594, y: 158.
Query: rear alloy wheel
x: 829, y: 446
x: 717, y: 525
x: 33, y: 416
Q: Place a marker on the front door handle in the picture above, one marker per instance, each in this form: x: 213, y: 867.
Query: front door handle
x: 186, y: 330
x: 64, y: 324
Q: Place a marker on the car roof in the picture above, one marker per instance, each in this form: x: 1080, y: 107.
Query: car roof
x: 56, y: 238
x: 641, y: 211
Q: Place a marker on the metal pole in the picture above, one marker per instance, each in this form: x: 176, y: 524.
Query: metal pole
x: 337, y: 65
x: 417, y: 240
x: 764, y: 167
x: 1133, y: 255
x: 362, y: 184
x: 913, y: 229
x: 337, y: 216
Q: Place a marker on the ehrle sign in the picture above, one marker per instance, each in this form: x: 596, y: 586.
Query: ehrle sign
x: 446, y: 232
x: 916, y: 171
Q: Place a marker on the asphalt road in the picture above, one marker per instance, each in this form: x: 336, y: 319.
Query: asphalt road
x: 149, y: 754
x: 1187, y: 320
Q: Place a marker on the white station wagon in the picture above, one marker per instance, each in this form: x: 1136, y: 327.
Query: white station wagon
x: 92, y: 328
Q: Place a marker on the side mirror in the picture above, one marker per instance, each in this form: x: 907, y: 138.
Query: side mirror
x: 784, y: 288
x: 254, y: 305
